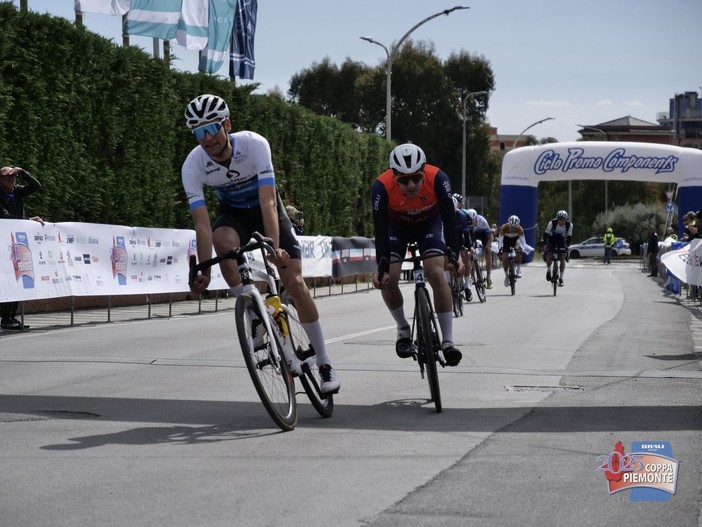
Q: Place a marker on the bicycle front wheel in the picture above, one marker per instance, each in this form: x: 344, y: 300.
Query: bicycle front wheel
x: 428, y: 343
x: 310, y: 378
x: 554, y: 280
x: 457, y: 295
x: 512, y: 277
x: 271, y: 377
x: 479, y: 281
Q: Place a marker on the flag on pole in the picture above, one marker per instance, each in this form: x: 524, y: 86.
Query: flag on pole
x: 192, y: 26
x: 241, y: 60
x: 153, y: 18
x: 102, y: 7
x: 221, y: 22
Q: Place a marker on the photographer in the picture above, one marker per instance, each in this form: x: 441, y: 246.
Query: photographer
x: 296, y: 217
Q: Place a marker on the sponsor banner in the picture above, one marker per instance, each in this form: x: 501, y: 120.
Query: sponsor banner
x: 103, y: 7
x: 351, y: 256
x: 82, y: 259
x: 685, y: 263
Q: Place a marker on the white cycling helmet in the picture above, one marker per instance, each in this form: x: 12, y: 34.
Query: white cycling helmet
x: 513, y: 220
x: 562, y: 214
x: 472, y: 214
x: 407, y: 159
x: 205, y: 109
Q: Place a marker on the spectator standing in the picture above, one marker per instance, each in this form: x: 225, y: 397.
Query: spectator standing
x: 652, y: 249
x: 297, y: 219
x: 12, y: 198
x: 609, y: 240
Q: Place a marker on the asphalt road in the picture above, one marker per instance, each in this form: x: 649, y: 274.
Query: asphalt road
x: 155, y: 422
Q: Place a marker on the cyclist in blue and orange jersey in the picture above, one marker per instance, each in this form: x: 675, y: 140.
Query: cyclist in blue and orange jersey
x: 481, y: 230
x: 240, y: 167
x: 467, y: 250
x: 557, y: 236
x: 412, y: 203
x: 511, y: 235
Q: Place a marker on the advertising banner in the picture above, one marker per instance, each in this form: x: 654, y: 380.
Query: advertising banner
x: 83, y: 259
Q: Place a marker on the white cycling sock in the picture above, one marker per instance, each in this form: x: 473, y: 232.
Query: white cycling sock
x: 237, y: 290
x: 314, y: 332
x: 398, y: 316
x: 446, y: 325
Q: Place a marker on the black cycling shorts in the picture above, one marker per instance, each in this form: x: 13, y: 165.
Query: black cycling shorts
x: 247, y: 221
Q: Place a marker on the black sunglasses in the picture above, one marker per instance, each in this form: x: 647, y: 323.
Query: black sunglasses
x: 414, y: 178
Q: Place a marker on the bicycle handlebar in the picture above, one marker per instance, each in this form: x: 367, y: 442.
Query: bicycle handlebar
x: 260, y: 242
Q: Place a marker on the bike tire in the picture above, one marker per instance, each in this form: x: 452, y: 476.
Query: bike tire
x: 273, y: 381
x: 457, y: 286
x: 512, y: 277
x: 554, y: 281
x: 310, y: 378
x: 479, y: 281
x: 428, y: 343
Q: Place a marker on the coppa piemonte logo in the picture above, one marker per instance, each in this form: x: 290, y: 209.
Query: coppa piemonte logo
x: 615, y: 161
x: 649, y: 470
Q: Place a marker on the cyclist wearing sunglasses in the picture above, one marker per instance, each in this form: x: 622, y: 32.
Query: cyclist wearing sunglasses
x: 511, y: 235
x: 412, y: 203
x: 239, y: 166
x: 557, y: 238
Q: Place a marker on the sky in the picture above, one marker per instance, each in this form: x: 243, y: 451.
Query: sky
x: 582, y: 62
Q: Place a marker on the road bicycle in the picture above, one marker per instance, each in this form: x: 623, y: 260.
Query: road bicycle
x: 426, y: 341
x: 555, y: 277
x: 479, y: 280
x: 511, y: 270
x: 458, y: 286
x: 275, y: 346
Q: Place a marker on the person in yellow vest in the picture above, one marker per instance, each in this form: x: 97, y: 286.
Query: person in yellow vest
x: 609, y: 240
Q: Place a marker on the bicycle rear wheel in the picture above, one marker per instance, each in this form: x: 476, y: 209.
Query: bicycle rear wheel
x: 310, y: 378
x: 479, y: 281
x: 273, y: 381
x: 427, y: 336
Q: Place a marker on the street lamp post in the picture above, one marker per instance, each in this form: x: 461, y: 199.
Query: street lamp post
x: 527, y: 128
x: 392, y: 53
x: 606, y: 139
x: 464, y: 118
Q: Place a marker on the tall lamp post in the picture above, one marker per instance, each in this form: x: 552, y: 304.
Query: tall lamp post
x: 392, y: 53
x: 606, y: 138
x: 527, y: 128
x: 464, y: 118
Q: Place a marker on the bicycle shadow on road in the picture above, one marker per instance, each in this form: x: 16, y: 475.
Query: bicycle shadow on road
x: 199, y: 422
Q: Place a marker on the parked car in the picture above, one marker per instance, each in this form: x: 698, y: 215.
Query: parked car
x: 595, y: 247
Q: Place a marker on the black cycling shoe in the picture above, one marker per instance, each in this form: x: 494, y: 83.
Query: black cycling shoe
x: 469, y: 295
x: 548, y: 275
x: 451, y: 355
x: 403, y: 348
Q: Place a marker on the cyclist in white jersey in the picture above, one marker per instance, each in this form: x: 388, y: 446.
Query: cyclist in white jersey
x: 240, y: 167
x: 557, y: 238
x: 480, y: 230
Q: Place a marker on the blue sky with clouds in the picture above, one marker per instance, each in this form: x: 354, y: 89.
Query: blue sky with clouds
x: 579, y: 61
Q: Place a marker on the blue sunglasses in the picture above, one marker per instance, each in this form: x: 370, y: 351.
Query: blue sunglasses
x: 211, y: 129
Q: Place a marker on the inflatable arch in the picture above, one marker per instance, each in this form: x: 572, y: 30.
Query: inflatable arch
x: 524, y: 168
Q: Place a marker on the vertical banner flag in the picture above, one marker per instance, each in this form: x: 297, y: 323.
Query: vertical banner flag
x: 219, y: 34
x: 102, y: 7
x: 241, y: 61
x: 153, y: 18
x: 192, y: 26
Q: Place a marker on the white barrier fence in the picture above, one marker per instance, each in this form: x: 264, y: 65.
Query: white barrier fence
x: 85, y: 259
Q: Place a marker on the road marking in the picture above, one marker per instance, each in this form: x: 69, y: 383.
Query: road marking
x: 359, y: 334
